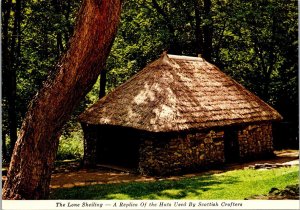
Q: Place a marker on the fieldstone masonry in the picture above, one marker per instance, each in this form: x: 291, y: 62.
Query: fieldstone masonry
x: 164, y: 154
x: 194, y: 151
x: 255, y: 141
x: 184, y: 152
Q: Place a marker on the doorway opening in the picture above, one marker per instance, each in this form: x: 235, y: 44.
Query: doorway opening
x: 231, y: 145
x: 117, y: 146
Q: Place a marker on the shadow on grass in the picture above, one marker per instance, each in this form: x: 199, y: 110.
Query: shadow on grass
x: 178, y: 189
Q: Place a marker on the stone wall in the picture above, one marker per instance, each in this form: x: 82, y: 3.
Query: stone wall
x: 255, y: 141
x: 162, y: 155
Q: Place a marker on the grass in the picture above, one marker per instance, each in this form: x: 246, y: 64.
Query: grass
x: 233, y: 185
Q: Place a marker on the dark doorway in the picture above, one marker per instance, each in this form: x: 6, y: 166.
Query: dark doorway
x: 117, y: 146
x: 231, y: 145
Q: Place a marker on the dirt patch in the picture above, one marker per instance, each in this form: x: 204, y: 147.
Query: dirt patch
x: 91, y: 177
x: 65, y: 177
x: 69, y: 174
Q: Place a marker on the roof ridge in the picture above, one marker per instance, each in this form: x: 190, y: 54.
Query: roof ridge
x: 183, y: 57
x: 177, y: 93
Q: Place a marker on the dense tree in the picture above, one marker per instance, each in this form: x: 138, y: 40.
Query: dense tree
x: 6, y: 15
x: 34, y: 154
x: 11, y: 53
x: 253, y: 41
x: 255, y: 45
x: 256, y: 42
x: 29, y: 52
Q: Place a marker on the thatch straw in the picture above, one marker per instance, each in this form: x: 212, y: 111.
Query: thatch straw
x: 176, y: 93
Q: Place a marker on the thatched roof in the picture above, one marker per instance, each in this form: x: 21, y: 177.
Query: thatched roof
x: 176, y: 93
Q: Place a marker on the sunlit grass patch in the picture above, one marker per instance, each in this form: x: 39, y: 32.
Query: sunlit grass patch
x: 234, y: 185
x: 118, y: 196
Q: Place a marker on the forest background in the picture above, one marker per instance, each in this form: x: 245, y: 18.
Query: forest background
x: 255, y: 42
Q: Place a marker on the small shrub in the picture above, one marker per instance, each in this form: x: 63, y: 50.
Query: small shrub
x: 71, y: 146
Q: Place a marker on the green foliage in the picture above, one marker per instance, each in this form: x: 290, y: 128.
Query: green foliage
x: 71, y: 145
x: 7, y: 144
x: 256, y: 42
x: 253, y: 41
x: 232, y: 185
x: 257, y: 38
x: 43, y: 23
x: 139, y: 41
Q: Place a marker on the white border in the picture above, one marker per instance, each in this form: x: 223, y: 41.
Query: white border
x: 149, y: 204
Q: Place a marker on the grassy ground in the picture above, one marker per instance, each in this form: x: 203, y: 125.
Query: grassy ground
x: 236, y: 185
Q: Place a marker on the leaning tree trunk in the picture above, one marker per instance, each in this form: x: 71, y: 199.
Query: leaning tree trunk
x: 34, y: 154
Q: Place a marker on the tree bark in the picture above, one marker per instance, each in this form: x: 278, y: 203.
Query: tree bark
x: 59, y: 44
x: 5, y: 43
x: 198, y: 30
x: 207, y: 31
x: 174, y: 44
x: 67, y: 11
x: 34, y: 154
x: 102, y: 83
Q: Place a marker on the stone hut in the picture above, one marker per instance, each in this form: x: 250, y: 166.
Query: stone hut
x: 178, y: 114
